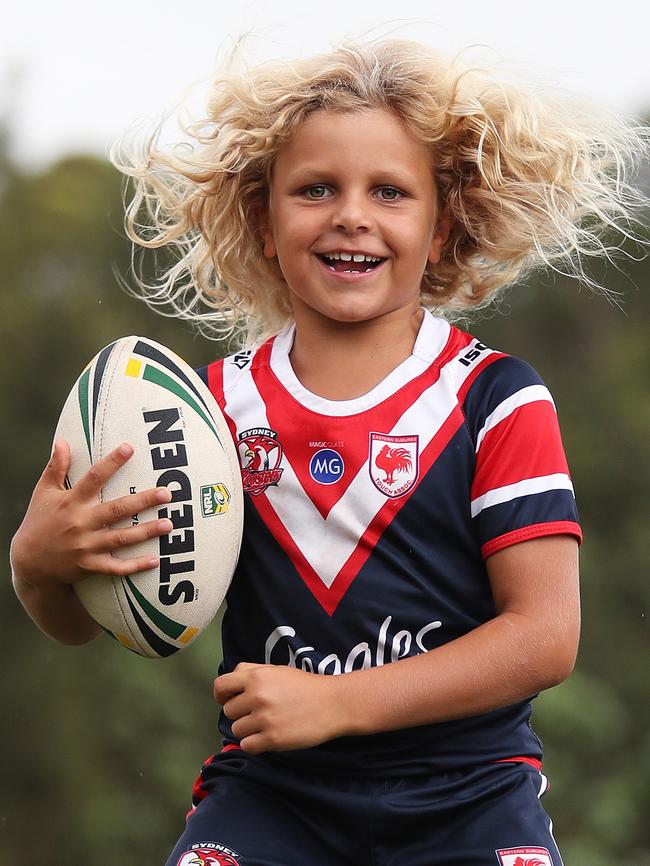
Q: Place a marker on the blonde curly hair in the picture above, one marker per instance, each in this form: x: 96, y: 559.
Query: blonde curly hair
x: 528, y: 180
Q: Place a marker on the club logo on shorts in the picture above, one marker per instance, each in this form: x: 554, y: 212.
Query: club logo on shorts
x: 524, y: 857
x: 209, y: 854
x: 394, y: 463
x: 260, y: 454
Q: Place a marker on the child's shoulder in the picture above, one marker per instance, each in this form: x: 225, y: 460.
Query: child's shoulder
x: 489, y: 368
x: 223, y: 374
x: 494, y: 382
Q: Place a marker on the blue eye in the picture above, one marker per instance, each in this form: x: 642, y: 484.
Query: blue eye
x: 393, y: 193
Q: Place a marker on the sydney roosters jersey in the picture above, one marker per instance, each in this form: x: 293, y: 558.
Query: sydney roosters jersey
x: 368, y: 523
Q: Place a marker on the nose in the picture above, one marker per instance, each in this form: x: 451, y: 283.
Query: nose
x: 353, y: 212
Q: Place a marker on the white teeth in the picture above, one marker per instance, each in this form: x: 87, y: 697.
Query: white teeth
x: 348, y: 257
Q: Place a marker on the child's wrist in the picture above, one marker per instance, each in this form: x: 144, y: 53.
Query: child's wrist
x: 40, y: 591
x: 344, y: 703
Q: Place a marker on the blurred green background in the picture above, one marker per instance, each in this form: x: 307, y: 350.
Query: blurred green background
x: 101, y: 747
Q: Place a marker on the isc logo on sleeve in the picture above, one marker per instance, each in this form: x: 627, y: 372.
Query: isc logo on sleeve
x: 326, y: 466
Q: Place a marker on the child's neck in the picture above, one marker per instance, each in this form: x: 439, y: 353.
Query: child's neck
x: 344, y: 361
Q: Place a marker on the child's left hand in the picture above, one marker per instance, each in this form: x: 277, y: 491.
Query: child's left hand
x: 275, y: 708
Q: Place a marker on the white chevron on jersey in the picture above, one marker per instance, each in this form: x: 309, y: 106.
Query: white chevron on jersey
x: 530, y: 394
x: 328, y: 543
x: 542, y: 484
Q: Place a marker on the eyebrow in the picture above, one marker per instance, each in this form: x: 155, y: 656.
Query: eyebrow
x: 387, y: 175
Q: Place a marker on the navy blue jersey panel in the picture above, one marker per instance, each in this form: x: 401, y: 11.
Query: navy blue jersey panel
x: 203, y: 373
x: 524, y: 511
x: 397, y: 606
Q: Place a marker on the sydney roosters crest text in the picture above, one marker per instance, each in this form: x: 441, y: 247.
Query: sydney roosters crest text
x: 209, y: 854
x: 393, y: 463
x: 260, y: 454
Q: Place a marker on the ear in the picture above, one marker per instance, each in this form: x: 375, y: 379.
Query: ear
x: 269, y: 248
x: 439, y: 239
x: 260, y: 222
x: 265, y: 230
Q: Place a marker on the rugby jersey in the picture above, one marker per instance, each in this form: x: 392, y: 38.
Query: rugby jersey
x: 368, y: 523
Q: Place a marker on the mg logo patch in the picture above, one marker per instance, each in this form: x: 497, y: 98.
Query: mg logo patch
x: 524, y: 857
x: 394, y: 463
x: 214, y: 499
x: 326, y: 466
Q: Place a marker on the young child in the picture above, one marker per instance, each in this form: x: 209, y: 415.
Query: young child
x: 408, y: 579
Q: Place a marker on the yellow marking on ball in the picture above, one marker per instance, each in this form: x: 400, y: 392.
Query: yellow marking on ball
x: 125, y: 641
x: 133, y: 368
x: 188, y: 634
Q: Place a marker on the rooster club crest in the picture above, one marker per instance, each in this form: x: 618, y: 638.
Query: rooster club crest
x: 209, y: 854
x: 394, y: 463
x: 524, y: 857
x: 260, y: 454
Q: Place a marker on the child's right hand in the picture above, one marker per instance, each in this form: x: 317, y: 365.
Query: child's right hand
x: 66, y: 534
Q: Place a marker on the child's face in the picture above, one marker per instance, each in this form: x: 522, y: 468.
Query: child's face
x: 353, y: 183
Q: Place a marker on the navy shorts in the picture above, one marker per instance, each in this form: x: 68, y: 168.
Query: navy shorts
x: 256, y: 811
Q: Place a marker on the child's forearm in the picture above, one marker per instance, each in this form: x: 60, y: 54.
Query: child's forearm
x: 529, y: 646
x: 508, y: 659
x: 57, y: 611
x: 503, y: 661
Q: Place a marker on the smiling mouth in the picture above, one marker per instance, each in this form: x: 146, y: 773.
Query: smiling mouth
x: 349, y: 267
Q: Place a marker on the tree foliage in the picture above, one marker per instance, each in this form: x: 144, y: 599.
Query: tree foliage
x: 101, y: 747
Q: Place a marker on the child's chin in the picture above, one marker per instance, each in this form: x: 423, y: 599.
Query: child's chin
x: 353, y: 315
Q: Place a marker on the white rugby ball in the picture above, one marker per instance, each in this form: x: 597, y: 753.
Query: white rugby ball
x: 140, y: 392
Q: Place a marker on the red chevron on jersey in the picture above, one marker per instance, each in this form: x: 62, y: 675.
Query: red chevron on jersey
x: 342, y: 424
x: 324, y: 567
x: 411, y: 415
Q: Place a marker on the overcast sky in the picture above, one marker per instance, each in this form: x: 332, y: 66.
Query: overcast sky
x: 74, y: 75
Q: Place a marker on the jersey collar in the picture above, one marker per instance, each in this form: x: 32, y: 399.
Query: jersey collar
x: 430, y: 341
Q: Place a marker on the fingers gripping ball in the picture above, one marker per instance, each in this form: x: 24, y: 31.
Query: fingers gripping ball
x: 140, y: 392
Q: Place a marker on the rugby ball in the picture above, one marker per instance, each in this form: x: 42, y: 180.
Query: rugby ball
x: 140, y: 392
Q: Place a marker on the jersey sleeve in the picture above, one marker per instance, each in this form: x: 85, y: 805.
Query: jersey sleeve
x: 521, y: 487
